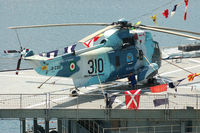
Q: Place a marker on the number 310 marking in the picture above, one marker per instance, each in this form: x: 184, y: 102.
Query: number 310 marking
x: 95, y: 65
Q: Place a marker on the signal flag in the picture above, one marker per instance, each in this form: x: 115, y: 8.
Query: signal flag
x: 158, y: 102
x: 186, y: 5
x: 132, y: 99
x: 166, y: 13
x: 191, y: 76
x: 154, y: 18
x: 173, y: 11
x: 158, y: 88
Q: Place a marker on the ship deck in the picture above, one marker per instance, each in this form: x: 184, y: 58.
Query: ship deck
x: 21, y: 92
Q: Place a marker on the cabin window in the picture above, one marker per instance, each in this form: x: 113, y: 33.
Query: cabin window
x: 128, y: 41
x: 117, y: 61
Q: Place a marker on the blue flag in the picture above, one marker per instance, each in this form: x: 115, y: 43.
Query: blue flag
x: 158, y: 102
x: 52, y: 53
x: 109, y: 100
x: 174, y: 9
x: 69, y: 49
x: 176, y: 83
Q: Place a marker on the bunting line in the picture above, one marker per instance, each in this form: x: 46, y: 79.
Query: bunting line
x: 54, y: 53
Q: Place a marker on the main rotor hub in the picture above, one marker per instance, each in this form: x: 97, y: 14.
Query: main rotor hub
x: 123, y: 23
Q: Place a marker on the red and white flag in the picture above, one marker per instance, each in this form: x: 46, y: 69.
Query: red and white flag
x: 132, y: 99
x: 186, y: 5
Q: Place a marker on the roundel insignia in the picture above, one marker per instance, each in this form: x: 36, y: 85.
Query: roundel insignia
x: 129, y: 58
x: 72, y: 66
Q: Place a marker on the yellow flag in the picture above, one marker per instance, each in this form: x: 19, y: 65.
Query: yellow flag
x: 154, y: 18
x: 138, y: 23
x: 191, y: 76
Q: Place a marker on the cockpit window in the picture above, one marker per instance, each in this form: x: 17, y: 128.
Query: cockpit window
x: 128, y: 41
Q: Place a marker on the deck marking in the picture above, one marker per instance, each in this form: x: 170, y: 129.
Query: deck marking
x: 43, y: 103
x: 16, y: 76
x: 123, y: 105
x: 179, y: 70
x: 194, y: 60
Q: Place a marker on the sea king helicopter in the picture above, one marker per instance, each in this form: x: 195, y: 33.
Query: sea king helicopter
x: 126, y: 48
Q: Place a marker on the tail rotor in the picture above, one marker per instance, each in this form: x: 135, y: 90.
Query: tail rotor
x: 21, y: 52
x: 18, y: 65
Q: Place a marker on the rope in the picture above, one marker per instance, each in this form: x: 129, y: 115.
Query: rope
x: 100, y: 82
x: 178, y: 67
x: 181, y: 68
x: 155, y: 9
x: 45, y: 81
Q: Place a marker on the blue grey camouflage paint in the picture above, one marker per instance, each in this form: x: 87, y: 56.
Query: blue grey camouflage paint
x: 123, y: 51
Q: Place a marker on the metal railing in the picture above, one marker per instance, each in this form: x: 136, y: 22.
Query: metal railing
x: 145, y: 129
x: 94, y: 101
x: 153, y: 129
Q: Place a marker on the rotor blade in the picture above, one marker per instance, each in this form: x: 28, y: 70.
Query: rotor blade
x: 97, y: 33
x: 11, y: 51
x: 56, y: 25
x: 169, y: 32
x: 18, y: 64
x: 172, y: 29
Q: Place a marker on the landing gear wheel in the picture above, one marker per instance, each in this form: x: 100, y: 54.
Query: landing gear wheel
x: 152, y: 81
x: 74, y: 92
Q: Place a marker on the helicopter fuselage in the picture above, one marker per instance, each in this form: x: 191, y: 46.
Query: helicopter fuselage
x: 122, y: 51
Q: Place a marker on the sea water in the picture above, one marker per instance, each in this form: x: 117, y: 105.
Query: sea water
x: 38, y: 12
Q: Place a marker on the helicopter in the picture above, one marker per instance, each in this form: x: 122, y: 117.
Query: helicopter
x: 126, y: 48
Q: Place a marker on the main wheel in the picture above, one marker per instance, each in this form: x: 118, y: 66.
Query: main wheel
x: 152, y: 81
x: 74, y: 92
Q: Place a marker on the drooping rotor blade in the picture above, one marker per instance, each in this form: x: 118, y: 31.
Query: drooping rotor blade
x: 18, y: 64
x: 56, y: 25
x: 168, y: 32
x: 97, y: 33
x: 11, y: 51
x: 172, y: 29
